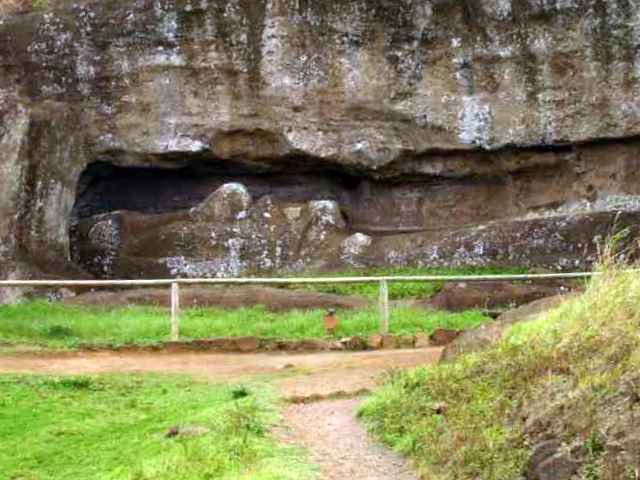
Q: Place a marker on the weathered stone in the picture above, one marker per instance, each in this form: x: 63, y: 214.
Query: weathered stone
x: 406, y: 341
x: 374, y: 342
x: 540, y: 453
x: 422, y: 341
x: 448, y: 133
x: 354, y: 343
x: 485, y: 335
x: 441, y: 337
x: 246, y: 344
x: 486, y: 295
x: 558, y: 467
x: 228, y: 203
x: 353, y: 247
x: 390, y: 342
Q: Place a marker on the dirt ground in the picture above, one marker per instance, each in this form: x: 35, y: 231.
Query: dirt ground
x: 338, y: 444
x: 314, y: 419
x: 274, y: 299
x: 306, y: 375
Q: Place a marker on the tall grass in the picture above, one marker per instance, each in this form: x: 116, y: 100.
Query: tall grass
x: 58, y: 325
x: 567, y: 366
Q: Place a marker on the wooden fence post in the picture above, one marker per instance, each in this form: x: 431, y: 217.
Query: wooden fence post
x: 384, y: 307
x: 175, y: 312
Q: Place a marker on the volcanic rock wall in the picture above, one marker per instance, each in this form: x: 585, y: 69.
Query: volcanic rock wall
x: 227, y: 137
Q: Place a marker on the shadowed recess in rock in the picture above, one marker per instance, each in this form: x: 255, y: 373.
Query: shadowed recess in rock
x: 203, y: 217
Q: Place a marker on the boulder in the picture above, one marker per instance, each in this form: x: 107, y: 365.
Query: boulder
x: 354, y: 344
x: 491, y: 295
x: 228, y: 203
x: 374, y: 342
x: 441, y: 337
x: 489, y: 333
x: 422, y: 341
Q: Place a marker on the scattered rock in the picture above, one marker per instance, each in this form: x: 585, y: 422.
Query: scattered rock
x: 557, y: 467
x: 310, y: 345
x: 439, y: 408
x: 246, y: 344
x: 187, y: 431
x: 354, y: 343
x: 390, y: 342
x: 540, y: 453
x: 442, y: 337
x: 374, y: 342
x: 422, y: 341
x: 406, y: 341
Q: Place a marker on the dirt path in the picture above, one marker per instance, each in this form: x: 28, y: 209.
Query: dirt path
x: 338, y: 443
x: 328, y: 429
x: 308, y: 375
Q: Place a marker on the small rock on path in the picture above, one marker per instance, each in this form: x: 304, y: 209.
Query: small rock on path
x: 339, y: 445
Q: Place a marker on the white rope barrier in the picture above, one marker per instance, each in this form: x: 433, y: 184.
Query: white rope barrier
x: 297, y: 281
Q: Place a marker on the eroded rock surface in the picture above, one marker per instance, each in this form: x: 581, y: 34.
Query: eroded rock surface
x: 354, y: 133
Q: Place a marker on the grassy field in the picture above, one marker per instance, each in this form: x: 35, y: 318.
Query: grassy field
x: 400, y: 291
x: 565, y: 372
x: 114, y: 428
x: 60, y: 326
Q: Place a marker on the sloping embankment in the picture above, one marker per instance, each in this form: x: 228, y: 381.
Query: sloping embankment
x: 557, y: 398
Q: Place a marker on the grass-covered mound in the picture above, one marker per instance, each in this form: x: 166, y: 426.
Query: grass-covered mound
x: 56, y: 325
x: 571, y: 376
x: 139, y: 427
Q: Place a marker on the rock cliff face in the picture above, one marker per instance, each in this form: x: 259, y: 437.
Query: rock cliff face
x: 228, y: 137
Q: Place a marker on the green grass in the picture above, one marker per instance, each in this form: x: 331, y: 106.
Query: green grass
x: 114, y: 428
x: 564, y: 372
x: 399, y: 291
x: 58, y: 325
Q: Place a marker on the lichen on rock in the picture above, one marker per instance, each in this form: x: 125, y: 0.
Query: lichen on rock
x: 449, y: 133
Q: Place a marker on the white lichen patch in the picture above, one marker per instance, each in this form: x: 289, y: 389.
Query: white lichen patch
x: 293, y: 214
x: 326, y: 213
x: 230, y: 202
x: 353, y: 247
x: 105, y: 238
x: 474, y: 121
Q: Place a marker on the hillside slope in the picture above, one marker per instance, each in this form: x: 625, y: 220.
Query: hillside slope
x: 558, y: 398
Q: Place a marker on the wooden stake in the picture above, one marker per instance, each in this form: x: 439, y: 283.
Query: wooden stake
x: 175, y: 312
x: 384, y: 308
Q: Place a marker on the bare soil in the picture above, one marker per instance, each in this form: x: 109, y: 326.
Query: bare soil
x: 339, y: 445
x: 273, y: 299
x: 306, y: 375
